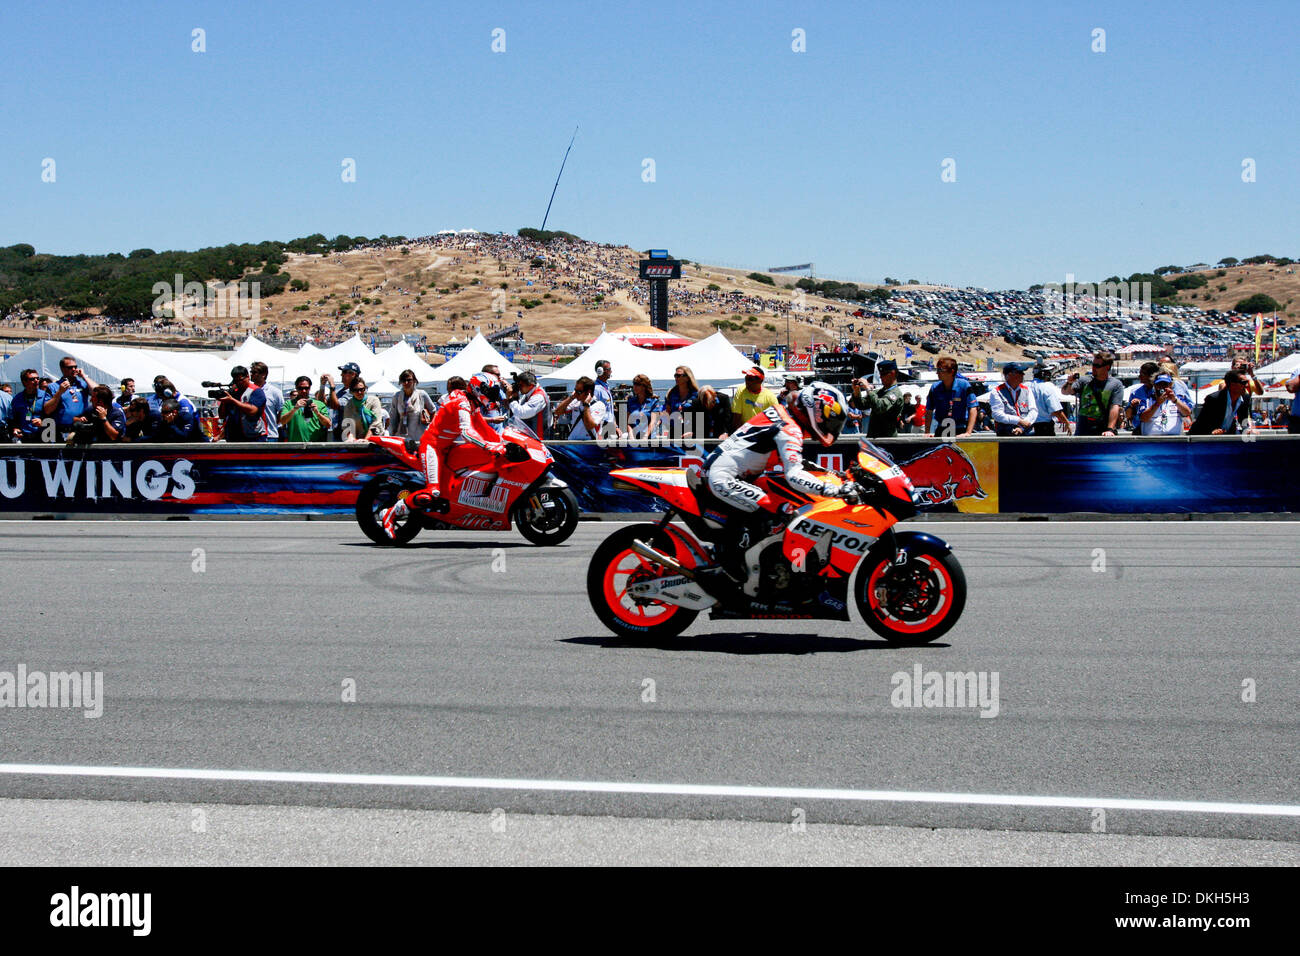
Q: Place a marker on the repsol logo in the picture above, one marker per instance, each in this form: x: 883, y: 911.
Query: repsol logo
x: 92, y: 480
x: 839, y: 539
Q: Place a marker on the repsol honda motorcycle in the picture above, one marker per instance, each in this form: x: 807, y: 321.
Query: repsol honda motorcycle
x: 521, y: 488
x: 910, y: 589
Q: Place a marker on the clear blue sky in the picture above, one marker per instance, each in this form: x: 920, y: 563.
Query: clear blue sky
x: 1066, y: 160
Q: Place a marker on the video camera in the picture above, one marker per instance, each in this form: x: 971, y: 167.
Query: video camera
x: 218, y: 389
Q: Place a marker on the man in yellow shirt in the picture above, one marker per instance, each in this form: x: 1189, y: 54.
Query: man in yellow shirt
x: 751, y: 399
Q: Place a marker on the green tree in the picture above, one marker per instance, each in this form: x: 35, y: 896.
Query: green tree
x: 1259, y: 302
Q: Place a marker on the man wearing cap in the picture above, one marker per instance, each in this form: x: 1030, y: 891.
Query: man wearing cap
x: 336, y: 398
x: 792, y: 384
x: 883, y: 403
x: 1164, y: 412
x: 1012, y: 405
x: 751, y: 400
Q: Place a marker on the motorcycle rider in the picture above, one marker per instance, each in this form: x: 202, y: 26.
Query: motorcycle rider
x: 774, y: 436
x: 458, y: 437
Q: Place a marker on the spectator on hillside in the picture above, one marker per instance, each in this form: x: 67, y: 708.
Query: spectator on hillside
x: 1163, y: 412
x: 1100, y: 396
x: 1226, y: 412
x: 26, y: 420
x: 304, y: 417
x: 950, y: 406
x: 751, y: 400
x: 882, y: 404
x: 530, y: 407
x: 1012, y: 404
x: 244, y: 408
x: 363, y: 414
x: 70, y: 398
x: 586, y: 414
x: 410, y: 410
x: 274, y: 399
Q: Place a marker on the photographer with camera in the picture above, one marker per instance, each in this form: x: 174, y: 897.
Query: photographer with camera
x: 1164, y: 412
x: 103, y: 421
x: 69, y: 398
x: 243, y: 405
x: 530, y: 408
x: 336, y: 396
x: 304, y: 418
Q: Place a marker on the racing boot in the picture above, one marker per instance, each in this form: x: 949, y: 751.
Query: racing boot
x: 416, y: 501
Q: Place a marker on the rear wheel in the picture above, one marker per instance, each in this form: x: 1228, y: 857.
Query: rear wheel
x: 913, y: 604
x: 547, y: 516
x: 614, y: 568
x: 375, y: 496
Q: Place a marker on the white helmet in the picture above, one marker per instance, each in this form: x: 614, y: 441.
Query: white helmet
x: 825, y: 408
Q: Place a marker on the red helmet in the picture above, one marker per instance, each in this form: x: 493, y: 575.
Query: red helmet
x: 485, y: 388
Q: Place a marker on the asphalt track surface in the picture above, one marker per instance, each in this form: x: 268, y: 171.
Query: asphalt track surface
x: 485, y: 685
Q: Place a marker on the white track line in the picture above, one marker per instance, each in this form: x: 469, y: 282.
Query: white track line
x: 670, y: 789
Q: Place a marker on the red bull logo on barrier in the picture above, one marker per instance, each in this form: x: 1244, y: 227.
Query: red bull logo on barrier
x: 945, y: 475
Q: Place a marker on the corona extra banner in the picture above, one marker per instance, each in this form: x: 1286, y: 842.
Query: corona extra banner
x: 983, y: 476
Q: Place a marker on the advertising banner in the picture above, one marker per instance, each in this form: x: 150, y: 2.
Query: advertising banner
x: 1015, y: 476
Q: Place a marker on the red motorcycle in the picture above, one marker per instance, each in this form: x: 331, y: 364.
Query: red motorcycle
x: 520, y: 488
x: 910, y: 589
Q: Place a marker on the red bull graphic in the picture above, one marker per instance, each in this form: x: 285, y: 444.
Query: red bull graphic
x: 946, y: 475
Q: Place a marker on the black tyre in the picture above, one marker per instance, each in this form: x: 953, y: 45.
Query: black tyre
x: 614, y: 568
x: 547, y: 516
x: 914, y: 604
x: 375, y: 496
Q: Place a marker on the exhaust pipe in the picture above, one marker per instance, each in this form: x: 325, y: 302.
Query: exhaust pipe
x: 650, y: 554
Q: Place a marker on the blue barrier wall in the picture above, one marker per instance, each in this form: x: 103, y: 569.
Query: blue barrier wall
x: 1035, y: 476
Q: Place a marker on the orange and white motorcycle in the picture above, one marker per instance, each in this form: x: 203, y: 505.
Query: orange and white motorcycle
x: 910, y: 588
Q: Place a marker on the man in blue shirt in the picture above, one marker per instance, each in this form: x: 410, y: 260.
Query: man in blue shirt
x: 602, y: 393
x: 950, y: 409
x: 26, y: 416
x: 70, y: 396
x: 6, y: 406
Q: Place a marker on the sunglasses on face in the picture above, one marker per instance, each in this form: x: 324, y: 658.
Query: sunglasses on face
x: 358, y: 391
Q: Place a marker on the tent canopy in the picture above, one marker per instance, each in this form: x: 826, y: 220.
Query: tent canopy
x: 713, y: 361
x: 471, y: 359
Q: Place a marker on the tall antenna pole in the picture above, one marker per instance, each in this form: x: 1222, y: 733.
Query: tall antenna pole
x: 557, y: 178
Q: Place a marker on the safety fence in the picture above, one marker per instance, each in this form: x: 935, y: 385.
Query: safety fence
x: 1125, y: 476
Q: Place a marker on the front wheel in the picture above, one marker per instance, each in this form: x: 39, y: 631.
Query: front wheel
x: 614, y: 568
x: 548, y: 515
x: 378, y: 494
x: 915, y: 603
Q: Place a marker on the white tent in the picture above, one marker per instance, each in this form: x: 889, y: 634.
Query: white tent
x: 1282, y: 368
x: 713, y: 361
x: 110, y: 364
x: 471, y: 359
x: 401, y: 357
